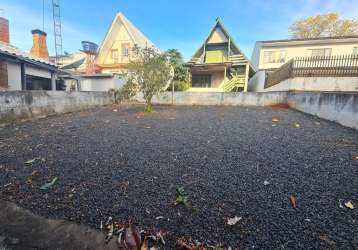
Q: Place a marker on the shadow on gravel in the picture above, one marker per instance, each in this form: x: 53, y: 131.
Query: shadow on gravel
x: 20, y: 229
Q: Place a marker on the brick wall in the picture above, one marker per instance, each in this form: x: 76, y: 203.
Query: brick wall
x: 39, y: 47
x: 4, y: 30
x: 3, y: 75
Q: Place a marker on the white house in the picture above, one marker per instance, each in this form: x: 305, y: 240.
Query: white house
x: 115, y: 51
x: 268, y: 56
x: 20, y: 70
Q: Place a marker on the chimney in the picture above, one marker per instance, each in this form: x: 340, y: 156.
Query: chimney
x: 39, y: 47
x: 4, y: 30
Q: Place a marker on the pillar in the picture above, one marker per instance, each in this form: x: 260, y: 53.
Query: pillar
x: 53, y: 81
x: 23, y: 77
x: 247, y: 71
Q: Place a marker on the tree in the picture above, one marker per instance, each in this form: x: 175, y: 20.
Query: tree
x: 177, y: 62
x: 326, y: 25
x: 149, y: 72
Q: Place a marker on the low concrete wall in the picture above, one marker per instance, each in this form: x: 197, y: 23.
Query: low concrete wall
x: 326, y: 84
x: 338, y: 107
x: 28, y: 104
x: 218, y: 98
x: 345, y: 84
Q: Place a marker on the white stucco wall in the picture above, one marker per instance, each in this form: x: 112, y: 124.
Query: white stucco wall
x: 257, y: 82
x: 101, y: 84
x: 14, y: 76
x: 347, y: 84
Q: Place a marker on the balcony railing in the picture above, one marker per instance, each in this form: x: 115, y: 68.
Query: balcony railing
x: 318, y: 66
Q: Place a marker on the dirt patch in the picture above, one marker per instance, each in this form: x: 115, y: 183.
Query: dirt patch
x: 281, y: 106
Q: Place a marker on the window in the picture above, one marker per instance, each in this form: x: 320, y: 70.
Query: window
x: 114, y: 55
x: 355, y: 51
x: 125, y: 49
x: 275, y: 56
x: 201, y: 81
x: 321, y: 52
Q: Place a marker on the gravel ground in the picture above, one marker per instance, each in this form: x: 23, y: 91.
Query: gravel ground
x: 127, y: 164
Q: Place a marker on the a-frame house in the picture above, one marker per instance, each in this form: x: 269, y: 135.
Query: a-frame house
x: 219, y: 64
x: 115, y: 50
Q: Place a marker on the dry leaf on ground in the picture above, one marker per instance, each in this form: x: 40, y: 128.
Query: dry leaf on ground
x: 327, y: 240
x: 349, y: 204
x: 293, y: 201
x: 275, y: 119
x: 50, y: 184
x: 31, y: 161
x: 145, y: 245
x: 182, y: 244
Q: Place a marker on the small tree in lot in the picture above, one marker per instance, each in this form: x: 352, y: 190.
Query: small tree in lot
x: 181, y: 75
x: 149, y: 73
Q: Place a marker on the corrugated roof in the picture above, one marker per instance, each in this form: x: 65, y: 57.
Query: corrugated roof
x: 14, y: 51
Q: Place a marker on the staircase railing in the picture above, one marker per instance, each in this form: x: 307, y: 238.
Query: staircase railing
x: 237, y: 81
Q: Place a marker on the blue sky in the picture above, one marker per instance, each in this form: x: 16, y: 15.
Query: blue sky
x: 181, y: 24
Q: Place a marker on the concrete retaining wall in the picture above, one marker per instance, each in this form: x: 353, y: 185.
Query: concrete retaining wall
x: 338, y: 107
x: 218, y: 98
x: 345, y: 84
x: 28, y: 104
x: 324, y: 84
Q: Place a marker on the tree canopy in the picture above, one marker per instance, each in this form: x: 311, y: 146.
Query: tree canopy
x: 177, y: 62
x: 149, y: 72
x: 326, y: 25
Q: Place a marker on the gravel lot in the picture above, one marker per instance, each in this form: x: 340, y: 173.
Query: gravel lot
x: 127, y: 164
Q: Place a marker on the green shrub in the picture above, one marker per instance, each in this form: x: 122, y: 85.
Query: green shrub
x: 125, y: 93
x: 179, y: 86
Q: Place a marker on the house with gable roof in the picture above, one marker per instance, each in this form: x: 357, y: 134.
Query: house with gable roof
x: 115, y: 51
x: 219, y: 65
